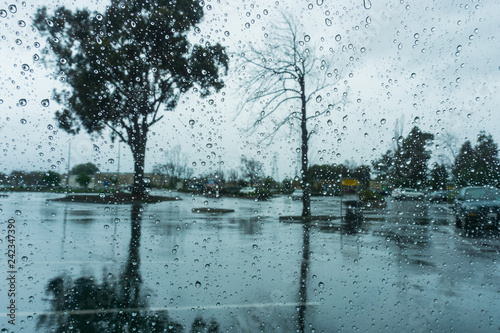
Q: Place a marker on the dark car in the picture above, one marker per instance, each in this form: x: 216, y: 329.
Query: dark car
x: 477, y: 207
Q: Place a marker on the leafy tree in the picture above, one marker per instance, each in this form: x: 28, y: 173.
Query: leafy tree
x: 83, y: 179
x: 51, y: 178
x: 384, y: 166
x: 87, y: 168
x: 478, y: 165
x: 287, y: 185
x: 4, y: 178
x: 284, y: 78
x: 269, y: 183
x: 439, y: 176
x: 122, y: 67
x: 362, y: 174
x: 251, y: 169
x: 487, y: 163
x: 411, y: 159
x: 463, y: 168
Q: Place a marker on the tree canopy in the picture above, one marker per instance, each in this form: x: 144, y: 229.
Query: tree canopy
x: 122, y: 67
x: 478, y: 165
x: 87, y: 168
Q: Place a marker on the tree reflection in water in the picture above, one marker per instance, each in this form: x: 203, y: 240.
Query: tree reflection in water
x: 304, y: 268
x: 84, y: 305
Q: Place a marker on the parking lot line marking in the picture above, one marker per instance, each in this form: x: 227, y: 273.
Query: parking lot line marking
x: 171, y: 309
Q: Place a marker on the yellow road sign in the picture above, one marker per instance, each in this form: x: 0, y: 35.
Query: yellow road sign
x: 349, y: 182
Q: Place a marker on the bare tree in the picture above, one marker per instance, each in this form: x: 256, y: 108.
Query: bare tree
x: 284, y: 77
x: 252, y: 169
x: 448, y: 142
x: 175, y: 167
x: 232, y: 175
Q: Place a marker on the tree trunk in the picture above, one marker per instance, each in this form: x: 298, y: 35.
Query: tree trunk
x: 306, y: 186
x: 131, y: 278
x: 138, y: 147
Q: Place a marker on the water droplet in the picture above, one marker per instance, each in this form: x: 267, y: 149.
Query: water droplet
x: 24, y: 121
x: 111, y: 161
x: 106, y: 226
x: 3, y: 13
x: 226, y: 33
x: 197, y: 284
x: 363, y: 50
x: 413, y: 75
x: 416, y: 120
x: 63, y: 61
x: 13, y: 9
x: 328, y: 22
x: 209, y: 145
x: 338, y: 38
x: 367, y: 4
x: 45, y: 102
x: 18, y: 212
x: 255, y: 246
x: 319, y: 99
x: 96, y: 147
x: 22, y: 102
x: 102, y: 195
x: 329, y: 122
x: 18, y: 41
x: 307, y: 38
x: 98, y: 17
x: 25, y: 67
x: 321, y: 284
x: 21, y: 23
x: 36, y: 57
x: 383, y: 121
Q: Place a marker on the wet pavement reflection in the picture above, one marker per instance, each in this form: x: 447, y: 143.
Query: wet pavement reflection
x: 114, y: 268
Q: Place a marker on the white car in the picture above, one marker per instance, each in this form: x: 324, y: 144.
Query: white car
x: 297, y: 195
x: 407, y: 193
x: 247, y: 190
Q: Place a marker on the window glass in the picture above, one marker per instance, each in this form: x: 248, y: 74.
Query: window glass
x: 249, y: 166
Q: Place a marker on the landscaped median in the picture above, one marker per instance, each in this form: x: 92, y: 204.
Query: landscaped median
x: 115, y: 198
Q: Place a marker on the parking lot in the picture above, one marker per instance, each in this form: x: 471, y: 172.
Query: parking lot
x: 402, y: 268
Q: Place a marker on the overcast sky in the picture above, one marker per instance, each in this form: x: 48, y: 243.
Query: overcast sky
x: 421, y: 63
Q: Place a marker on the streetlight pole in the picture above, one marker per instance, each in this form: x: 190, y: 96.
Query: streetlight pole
x: 69, y: 156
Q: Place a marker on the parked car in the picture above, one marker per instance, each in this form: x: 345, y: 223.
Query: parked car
x: 438, y: 196
x: 247, y: 190
x: 477, y: 206
x: 407, y: 193
x: 297, y: 195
